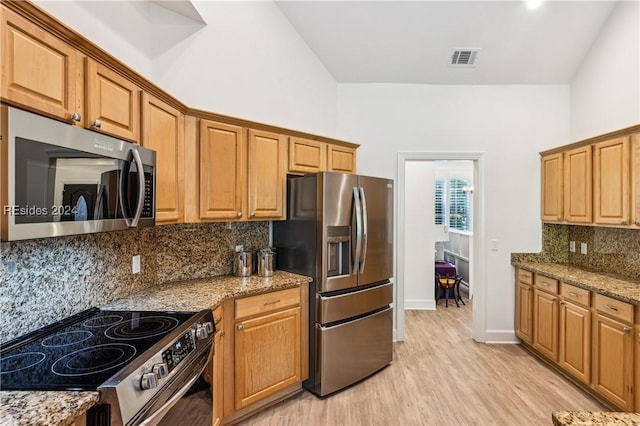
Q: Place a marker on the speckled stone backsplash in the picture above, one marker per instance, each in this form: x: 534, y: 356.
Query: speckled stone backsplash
x: 205, y: 249
x: 46, y: 280
x: 609, y: 250
x: 612, y: 250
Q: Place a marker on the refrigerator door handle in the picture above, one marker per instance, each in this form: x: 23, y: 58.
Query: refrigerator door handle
x: 365, y: 221
x: 358, y: 208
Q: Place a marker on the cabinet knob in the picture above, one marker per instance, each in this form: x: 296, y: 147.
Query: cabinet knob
x: 553, y: 299
x: 623, y: 222
x: 239, y: 214
x: 562, y: 302
x: 626, y: 329
x: 96, y: 123
x: 239, y: 327
x: 75, y: 117
x: 637, y: 222
x: 252, y: 214
x: 222, y: 334
x: 558, y: 218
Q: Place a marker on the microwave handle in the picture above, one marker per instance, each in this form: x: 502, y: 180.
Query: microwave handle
x: 141, y: 189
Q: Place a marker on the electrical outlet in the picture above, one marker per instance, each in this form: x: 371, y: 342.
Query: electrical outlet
x: 135, y: 264
x: 583, y: 248
x: 572, y: 246
x: 239, y: 248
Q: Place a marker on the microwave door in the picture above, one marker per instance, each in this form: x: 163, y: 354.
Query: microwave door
x: 130, y: 189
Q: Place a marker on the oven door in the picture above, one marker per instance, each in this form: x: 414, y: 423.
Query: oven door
x: 63, y: 180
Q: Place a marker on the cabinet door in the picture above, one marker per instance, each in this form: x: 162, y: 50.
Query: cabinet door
x: 575, y: 341
x: 266, y: 184
x: 578, y: 185
x: 545, y: 323
x: 635, y: 182
x: 113, y: 102
x: 612, y: 361
x: 611, y: 190
x: 307, y: 156
x: 163, y: 131
x: 38, y: 69
x: 218, y: 376
x: 636, y: 369
x: 341, y: 159
x: 552, y: 188
x: 267, y: 355
x: 524, y: 312
x: 222, y: 170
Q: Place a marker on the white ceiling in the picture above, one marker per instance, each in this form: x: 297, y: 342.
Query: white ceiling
x: 412, y: 41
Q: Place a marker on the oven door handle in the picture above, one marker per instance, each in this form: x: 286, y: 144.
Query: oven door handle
x: 160, y: 412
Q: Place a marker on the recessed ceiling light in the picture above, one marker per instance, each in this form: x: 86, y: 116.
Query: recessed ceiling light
x: 533, y: 4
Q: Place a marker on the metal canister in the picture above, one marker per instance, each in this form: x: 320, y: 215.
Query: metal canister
x: 242, y: 263
x: 266, y: 258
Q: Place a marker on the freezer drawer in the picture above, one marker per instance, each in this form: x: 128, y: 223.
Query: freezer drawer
x: 335, y: 308
x: 352, y: 351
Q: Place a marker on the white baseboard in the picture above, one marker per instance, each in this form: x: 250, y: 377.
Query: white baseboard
x: 501, y: 336
x: 420, y: 305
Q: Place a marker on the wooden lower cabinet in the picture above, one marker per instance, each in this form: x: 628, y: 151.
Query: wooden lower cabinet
x: 636, y: 380
x: 613, y: 361
x: 267, y: 355
x: 575, y: 341
x: 524, y: 312
x: 545, y: 323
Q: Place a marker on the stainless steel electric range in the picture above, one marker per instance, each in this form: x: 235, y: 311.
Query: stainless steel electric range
x: 141, y: 362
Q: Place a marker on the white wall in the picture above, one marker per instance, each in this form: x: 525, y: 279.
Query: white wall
x: 509, y: 124
x: 419, y: 239
x: 605, y: 92
x: 247, y: 62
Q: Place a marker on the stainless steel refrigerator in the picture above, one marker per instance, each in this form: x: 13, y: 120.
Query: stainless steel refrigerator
x: 339, y: 231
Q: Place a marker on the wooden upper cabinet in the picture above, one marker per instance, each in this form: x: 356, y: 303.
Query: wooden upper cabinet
x: 113, y: 102
x: 163, y: 131
x: 578, y: 185
x: 341, y: 159
x: 266, y: 178
x: 307, y: 156
x: 552, y: 188
x: 38, y: 69
x: 611, y: 182
x: 635, y: 182
x: 222, y: 170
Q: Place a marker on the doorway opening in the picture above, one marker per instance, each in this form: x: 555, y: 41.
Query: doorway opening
x: 417, y: 233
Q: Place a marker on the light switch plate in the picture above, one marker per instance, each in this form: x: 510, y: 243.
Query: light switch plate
x: 135, y: 264
x: 572, y: 246
x: 583, y: 248
x: 494, y: 245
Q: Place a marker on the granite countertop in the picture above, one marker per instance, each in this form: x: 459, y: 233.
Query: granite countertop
x: 60, y: 408
x: 621, y: 288
x: 594, y: 418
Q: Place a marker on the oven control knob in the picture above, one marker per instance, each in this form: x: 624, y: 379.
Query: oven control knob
x: 208, y: 326
x: 148, y: 381
x: 201, y: 332
x: 160, y: 370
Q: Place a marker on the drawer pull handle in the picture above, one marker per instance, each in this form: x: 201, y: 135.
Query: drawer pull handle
x: 272, y: 302
x: 626, y: 329
x: 562, y: 302
x: 613, y: 308
x: 553, y: 299
x: 573, y: 294
x: 544, y: 283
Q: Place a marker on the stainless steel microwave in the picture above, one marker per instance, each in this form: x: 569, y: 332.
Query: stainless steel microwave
x: 57, y: 179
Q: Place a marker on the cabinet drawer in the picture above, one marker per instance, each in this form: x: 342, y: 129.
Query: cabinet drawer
x: 217, y: 314
x: 547, y: 284
x: 524, y: 276
x: 576, y: 294
x: 267, y: 302
x: 614, y: 308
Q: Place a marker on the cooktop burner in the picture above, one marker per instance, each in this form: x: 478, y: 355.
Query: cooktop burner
x: 82, y: 352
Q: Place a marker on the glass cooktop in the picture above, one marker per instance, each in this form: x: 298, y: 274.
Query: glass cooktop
x: 83, y: 351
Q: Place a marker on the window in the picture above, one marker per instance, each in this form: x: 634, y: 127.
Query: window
x: 441, y: 204
x: 452, y: 203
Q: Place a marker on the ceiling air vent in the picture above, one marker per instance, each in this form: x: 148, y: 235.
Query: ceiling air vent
x: 463, y: 57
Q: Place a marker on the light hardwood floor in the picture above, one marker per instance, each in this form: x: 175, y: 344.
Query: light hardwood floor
x: 439, y: 376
